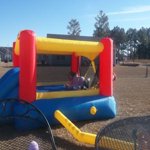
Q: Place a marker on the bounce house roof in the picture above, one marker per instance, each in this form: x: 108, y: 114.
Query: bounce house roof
x: 89, y: 49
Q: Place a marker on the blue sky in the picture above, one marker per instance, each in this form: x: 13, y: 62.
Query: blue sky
x: 52, y: 16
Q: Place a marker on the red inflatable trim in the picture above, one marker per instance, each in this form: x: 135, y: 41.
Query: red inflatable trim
x: 27, y: 78
x: 106, y: 68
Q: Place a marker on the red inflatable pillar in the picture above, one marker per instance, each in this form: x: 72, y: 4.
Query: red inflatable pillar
x: 106, y: 68
x: 15, y: 57
x: 75, y: 63
x: 27, y: 78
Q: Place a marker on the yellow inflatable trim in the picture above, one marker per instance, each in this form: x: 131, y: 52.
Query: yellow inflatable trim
x: 89, y: 138
x: 62, y: 94
x: 50, y: 83
x: 66, y: 47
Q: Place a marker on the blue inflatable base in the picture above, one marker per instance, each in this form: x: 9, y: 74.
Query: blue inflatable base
x: 75, y: 108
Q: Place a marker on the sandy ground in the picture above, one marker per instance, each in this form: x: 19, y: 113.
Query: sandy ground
x: 131, y: 90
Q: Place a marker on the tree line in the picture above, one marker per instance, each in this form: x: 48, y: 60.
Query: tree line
x: 133, y: 43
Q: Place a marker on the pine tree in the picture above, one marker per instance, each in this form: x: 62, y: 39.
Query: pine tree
x: 101, y: 25
x: 74, y: 27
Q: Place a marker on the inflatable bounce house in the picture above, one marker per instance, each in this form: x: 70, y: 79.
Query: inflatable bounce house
x: 55, y: 101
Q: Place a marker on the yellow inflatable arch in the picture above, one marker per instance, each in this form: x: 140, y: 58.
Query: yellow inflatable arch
x: 66, y: 47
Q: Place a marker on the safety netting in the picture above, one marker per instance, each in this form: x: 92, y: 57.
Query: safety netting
x: 126, y: 134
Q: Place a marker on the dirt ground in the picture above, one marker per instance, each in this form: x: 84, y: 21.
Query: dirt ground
x: 132, y: 94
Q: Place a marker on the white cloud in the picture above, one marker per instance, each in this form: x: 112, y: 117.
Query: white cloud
x: 131, y: 19
x: 132, y: 10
